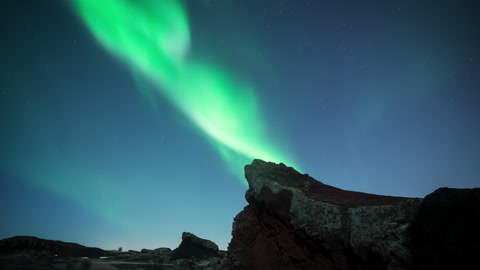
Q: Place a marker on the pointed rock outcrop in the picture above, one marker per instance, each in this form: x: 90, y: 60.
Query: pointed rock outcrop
x: 296, y: 222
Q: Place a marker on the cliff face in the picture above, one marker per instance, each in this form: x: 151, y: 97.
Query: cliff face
x: 295, y: 222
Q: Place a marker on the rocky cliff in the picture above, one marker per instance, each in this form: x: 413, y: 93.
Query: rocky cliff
x: 295, y: 222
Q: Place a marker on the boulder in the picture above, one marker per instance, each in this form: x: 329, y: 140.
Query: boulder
x: 193, y: 247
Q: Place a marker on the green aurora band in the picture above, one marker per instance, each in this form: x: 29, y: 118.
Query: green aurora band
x: 153, y: 38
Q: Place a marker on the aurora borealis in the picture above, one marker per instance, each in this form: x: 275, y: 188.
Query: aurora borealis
x: 125, y: 123
x: 153, y: 37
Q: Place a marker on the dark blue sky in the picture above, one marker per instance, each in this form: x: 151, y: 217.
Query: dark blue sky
x: 373, y: 96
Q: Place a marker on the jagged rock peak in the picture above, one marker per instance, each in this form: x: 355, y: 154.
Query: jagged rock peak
x: 260, y: 170
x: 279, y: 177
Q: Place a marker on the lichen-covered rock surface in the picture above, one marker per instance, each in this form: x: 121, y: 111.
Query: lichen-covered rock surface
x: 296, y: 222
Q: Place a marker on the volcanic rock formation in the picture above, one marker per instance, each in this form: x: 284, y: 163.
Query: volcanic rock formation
x: 295, y: 222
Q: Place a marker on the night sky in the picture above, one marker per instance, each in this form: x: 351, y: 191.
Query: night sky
x: 126, y: 123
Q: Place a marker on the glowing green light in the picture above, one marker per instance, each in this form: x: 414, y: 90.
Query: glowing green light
x: 153, y: 37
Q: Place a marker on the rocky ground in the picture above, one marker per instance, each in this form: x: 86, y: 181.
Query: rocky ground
x: 31, y: 253
x: 293, y: 221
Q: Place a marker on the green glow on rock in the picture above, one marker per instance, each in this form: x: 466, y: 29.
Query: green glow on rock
x: 153, y: 38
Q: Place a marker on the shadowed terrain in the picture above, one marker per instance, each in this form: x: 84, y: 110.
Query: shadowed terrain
x: 293, y: 221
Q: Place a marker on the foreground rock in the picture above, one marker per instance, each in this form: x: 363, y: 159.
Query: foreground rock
x: 295, y: 222
x: 197, y: 253
x: 193, y: 247
x: 445, y: 233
